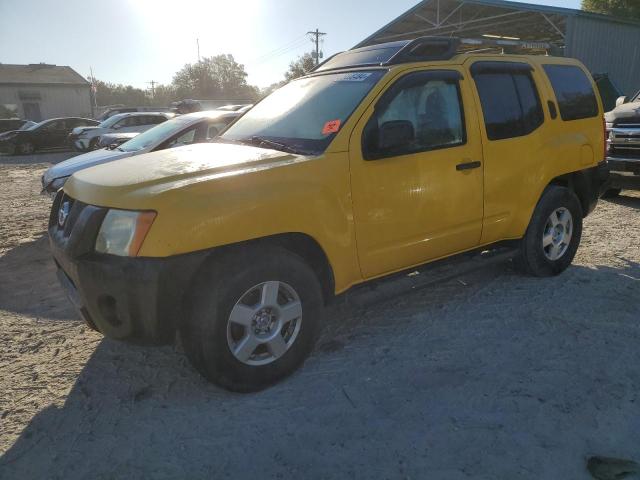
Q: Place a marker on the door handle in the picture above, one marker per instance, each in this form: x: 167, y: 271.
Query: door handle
x: 468, y: 165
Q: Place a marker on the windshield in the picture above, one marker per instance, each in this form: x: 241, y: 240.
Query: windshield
x: 304, y: 115
x: 109, y: 122
x: 28, y: 126
x: 36, y: 125
x: 154, y: 135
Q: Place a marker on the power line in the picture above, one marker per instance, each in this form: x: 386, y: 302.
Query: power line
x: 281, y: 50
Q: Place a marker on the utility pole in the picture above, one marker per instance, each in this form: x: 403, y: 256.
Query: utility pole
x: 153, y: 88
x: 94, y: 90
x: 198, y: 44
x: 317, y: 34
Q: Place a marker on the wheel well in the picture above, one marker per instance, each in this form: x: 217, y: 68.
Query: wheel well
x: 310, y: 250
x: 578, y: 185
x: 302, y: 245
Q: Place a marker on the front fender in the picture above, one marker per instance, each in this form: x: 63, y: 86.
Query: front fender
x: 310, y: 197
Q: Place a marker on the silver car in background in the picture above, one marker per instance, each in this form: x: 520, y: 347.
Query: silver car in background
x: 87, y: 138
x: 195, y: 127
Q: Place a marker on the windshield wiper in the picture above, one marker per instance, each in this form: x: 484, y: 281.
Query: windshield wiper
x: 260, y: 141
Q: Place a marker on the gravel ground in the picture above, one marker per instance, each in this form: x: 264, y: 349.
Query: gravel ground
x: 486, y: 375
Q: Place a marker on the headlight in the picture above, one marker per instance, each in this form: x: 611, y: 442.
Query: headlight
x: 123, y: 231
x: 608, y: 125
x: 57, y: 184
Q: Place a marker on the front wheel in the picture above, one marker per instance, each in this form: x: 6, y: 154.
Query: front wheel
x: 93, y: 144
x: 553, y: 235
x: 253, y: 318
x: 26, y: 148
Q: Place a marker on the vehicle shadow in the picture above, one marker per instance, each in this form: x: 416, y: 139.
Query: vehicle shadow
x: 28, y: 283
x: 49, y: 156
x: 450, y: 380
x: 631, y: 201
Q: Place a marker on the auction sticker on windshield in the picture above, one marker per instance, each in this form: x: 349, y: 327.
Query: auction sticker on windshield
x: 353, y: 77
x: 331, y: 127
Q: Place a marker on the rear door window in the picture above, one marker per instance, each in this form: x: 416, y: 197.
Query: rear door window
x: 574, y: 92
x: 510, y: 101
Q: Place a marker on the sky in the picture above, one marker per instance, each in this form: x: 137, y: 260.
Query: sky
x: 137, y: 41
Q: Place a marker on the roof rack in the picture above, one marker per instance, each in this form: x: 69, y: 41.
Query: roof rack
x: 423, y: 49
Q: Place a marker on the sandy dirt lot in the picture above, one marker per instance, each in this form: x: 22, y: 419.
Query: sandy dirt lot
x: 486, y: 375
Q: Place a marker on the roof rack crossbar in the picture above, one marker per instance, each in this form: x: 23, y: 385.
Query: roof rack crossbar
x: 422, y: 49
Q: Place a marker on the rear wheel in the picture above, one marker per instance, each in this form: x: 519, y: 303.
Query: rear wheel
x: 553, y: 235
x: 253, y: 318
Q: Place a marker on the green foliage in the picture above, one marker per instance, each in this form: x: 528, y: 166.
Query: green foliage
x: 300, y: 67
x: 618, y: 8
x: 6, y: 112
x: 118, y: 94
x: 219, y: 77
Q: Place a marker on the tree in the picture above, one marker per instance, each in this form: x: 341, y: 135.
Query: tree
x: 300, y: 67
x: 118, y: 94
x: 218, y: 77
x: 618, y: 8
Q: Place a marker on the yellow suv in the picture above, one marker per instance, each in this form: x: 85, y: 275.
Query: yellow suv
x: 383, y: 158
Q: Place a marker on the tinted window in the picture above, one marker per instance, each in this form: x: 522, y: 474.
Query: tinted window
x: 510, y: 103
x: 574, y: 92
x: 153, y: 119
x: 430, y: 106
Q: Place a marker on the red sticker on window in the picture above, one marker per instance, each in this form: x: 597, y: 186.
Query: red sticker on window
x: 331, y: 127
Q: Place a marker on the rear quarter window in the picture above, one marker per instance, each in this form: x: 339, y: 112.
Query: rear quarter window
x: 510, y: 102
x: 574, y: 92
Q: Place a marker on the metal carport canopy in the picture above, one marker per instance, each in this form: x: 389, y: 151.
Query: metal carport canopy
x: 475, y: 18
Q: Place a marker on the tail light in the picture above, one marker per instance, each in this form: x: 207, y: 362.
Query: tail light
x: 604, y: 137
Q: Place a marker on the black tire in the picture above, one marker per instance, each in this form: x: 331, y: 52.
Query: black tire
x: 93, y: 144
x: 217, y: 289
x: 26, y: 148
x: 532, y: 258
x: 612, y: 193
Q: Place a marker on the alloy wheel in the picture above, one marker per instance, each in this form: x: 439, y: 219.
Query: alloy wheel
x: 557, y: 233
x: 264, y: 323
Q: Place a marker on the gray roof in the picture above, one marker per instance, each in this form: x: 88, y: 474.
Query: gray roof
x: 40, y: 74
x: 474, y: 18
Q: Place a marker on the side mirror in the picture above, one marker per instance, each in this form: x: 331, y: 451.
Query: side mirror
x: 395, y: 134
x: 621, y: 101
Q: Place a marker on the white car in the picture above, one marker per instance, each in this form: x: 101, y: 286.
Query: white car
x: 195, y: 127
x: 86, y: 138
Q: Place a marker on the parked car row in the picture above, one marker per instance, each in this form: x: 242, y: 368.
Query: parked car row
x: 181, y: 130
x: 50, y: 133
x: 87, y: 138
x: 82, y: 134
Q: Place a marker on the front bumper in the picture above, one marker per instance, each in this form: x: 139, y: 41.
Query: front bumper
x: 126, y: 298
x: 79, y: 144
x: 624, y: 138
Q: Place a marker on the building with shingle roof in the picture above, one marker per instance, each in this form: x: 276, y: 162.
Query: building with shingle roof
x: 40, y: 91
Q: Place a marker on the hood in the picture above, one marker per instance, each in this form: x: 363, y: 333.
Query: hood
x: 146, y: 175
x: 120, y: 135
x: 10, y: 133
x: 79, y: 130
x: 80, y: 162
x: 627, y: 110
